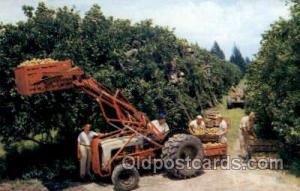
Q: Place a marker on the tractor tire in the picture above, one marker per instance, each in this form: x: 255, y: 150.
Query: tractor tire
x: 183, y: 146
x: 125, y: 179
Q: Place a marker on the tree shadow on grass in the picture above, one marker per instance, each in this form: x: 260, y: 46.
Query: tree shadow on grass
x: 55, y: 165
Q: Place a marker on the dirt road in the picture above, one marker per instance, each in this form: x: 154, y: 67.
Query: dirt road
x: 210, y: 181
x: 213, y: 180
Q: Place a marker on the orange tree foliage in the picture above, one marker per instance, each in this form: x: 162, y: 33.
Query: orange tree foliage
x: 133, y: 57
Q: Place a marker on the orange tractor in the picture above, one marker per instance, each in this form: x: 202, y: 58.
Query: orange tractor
x: 132, y: 133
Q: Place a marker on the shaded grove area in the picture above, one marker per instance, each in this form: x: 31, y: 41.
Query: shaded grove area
x: 156, y: 71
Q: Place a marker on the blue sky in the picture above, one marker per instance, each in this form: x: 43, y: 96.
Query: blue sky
x: 229, y: 22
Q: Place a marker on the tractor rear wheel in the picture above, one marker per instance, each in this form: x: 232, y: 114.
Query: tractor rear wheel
x: 186, y: 153
x: 125, y: 179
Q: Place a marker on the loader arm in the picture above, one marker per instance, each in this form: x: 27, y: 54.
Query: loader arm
x: 116, y: 109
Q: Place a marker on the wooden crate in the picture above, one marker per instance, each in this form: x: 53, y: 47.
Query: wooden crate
x: 219, y: 150
x: 209, y: 138
x: 261, y: 145
x: 29, y: 79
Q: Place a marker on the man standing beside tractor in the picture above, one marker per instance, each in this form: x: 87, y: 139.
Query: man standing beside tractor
x: 84, y: 149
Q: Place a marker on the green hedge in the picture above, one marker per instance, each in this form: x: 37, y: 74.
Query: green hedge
x: 274, y: 81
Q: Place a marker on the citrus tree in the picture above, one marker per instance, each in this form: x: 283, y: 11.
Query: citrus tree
x: 274, y: 81
x: 157, y: 71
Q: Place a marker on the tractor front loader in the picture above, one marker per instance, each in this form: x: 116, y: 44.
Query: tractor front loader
x: 132, y: 134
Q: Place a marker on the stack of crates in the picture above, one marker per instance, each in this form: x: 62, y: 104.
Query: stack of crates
x: 50, y: 76
x: 219, y: 149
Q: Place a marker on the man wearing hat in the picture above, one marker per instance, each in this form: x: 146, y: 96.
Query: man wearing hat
x: 197, y: 123
x: 221, y: 123
x: 84, y: 150
x: 161, y: 124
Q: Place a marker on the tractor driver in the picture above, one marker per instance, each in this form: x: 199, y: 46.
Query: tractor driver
x: 160, y: 125
x: 84, y: 150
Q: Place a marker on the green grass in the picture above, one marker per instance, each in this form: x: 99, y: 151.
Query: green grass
x: 235, y: 116
x: 27, y: 144
x: 21, y: 145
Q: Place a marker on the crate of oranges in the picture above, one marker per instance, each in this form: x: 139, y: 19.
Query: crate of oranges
x: 30, y: 74
x: 208, y: 134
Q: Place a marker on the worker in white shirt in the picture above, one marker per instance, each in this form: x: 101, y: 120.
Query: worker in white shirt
x: 161, y: 124
x: 84, y: 150
x: 197, y: 123
x: 221, y: 123
x: 246, y: 127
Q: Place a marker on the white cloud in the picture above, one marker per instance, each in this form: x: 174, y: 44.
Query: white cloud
x: 202, y: 21
x: 238, y: 22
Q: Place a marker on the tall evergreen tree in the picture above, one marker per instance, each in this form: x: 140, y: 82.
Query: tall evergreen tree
x: 216, y: 50
x: 237, y: 58
x: 247, y: 60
